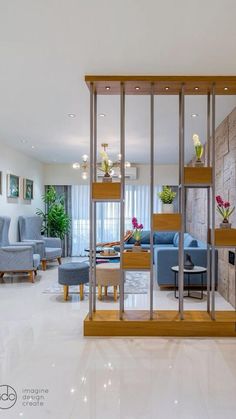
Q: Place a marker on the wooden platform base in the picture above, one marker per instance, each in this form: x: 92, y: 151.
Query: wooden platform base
x: 165, y: 323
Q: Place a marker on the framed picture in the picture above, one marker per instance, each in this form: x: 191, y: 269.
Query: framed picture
x: 13, y: 186
x: 28, y: 189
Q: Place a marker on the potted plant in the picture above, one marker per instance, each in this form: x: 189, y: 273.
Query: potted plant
x: 167, y: 197
x: 198, y: 150
x: 225, y: 210
x: 106, y: 166
x: 56, y: 222
x: 137, y: 234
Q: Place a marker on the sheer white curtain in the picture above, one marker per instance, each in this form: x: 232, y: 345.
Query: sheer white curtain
x: 137, y: 203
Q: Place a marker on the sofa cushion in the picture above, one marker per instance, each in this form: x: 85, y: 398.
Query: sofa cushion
x: 189, y: 241
x: 164, y: 237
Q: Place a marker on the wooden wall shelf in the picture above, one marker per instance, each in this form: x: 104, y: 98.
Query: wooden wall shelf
x: 102, y: 191
x: 167, y: 222
x: 225, y: 237
x: 136, y: 260
x: 197, y: 176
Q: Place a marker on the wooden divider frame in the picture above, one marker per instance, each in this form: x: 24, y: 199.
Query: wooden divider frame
x: 209, y: 85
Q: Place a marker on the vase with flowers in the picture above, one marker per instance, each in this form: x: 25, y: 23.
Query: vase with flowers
x: 225, y: 210
x: 137, y: 234
x: 106, y: 166
x: 198, y: 150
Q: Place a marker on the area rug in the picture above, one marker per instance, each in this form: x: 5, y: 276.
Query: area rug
x: 135, y: 283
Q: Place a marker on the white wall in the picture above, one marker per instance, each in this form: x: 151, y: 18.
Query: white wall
x: 17, y: 163
x: 64, y: 174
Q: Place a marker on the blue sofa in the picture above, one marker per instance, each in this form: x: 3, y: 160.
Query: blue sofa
x: 166, y: 254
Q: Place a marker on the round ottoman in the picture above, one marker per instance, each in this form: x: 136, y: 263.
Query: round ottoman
x: 73, y: 273
x: 107, y: 274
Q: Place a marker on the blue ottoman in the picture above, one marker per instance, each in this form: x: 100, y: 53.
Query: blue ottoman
x: 73, y: 273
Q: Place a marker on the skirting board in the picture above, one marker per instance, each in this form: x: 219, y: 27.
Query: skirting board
x: 164, y: 323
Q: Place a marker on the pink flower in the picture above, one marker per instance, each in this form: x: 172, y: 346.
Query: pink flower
x: 219, y: 201
x: 136, y: 225
x: 226, y: 204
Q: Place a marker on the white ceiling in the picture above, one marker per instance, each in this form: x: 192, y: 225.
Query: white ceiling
x: 47, y: 47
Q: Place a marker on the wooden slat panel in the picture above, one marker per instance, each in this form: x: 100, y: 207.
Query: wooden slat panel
x: 167, y: 222
x: 136, y: 260
x: 225, y: 237
x: 106, y: 191
x: 197, y: 175
x: 164, y: 323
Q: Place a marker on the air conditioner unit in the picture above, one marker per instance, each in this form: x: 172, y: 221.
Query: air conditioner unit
x: 130, y: 173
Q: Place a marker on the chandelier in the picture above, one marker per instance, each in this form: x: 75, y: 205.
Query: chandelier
x: 85, y: 165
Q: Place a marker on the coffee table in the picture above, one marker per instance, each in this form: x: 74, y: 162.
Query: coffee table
x: 196, y: 270
x: 104, y: 258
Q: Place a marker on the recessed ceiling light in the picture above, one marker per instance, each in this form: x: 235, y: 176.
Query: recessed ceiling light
x: 107, y: 87
x: 102, y: 115
x: 137, y: 88
x: 33, y: 146
x: 196, y: 88
x: 71, y: 115
x: 226, y: 88
x: 167, y: 88
x: 194, y: 115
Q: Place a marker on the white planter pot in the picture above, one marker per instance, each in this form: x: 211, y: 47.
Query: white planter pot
x: 167, y: 208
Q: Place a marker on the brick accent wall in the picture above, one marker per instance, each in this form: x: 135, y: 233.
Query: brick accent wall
x: 226, y: 187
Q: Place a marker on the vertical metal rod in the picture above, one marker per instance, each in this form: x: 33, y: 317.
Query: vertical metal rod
x: 182, y: 204
x: 91, y: 206
x: 213, y: 266
x: 208, y: 204
x: 151, y: 194
x: 122, y: 197
x: 94, y: 204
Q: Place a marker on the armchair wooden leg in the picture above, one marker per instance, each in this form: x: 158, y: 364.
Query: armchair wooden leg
x: 105, y: 293
x: 31, y: 276
x: 66, y: 291
x: 59, y: 260
x: 81, y: 291
x: 115, y: 293
x: 44, y: 264
x: 99, y: 292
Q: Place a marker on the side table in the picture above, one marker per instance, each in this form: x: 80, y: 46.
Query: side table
x: 196, y: 270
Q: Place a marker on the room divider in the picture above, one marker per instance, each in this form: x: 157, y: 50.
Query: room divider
x: 159, y: 322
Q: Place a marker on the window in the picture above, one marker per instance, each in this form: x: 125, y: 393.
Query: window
x: 137, y: 203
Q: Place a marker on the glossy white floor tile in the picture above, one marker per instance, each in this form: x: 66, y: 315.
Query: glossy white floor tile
x: 42, y: 347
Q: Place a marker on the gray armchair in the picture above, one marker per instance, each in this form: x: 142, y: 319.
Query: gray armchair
x: 16, y: 257
x: 49, y: 247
